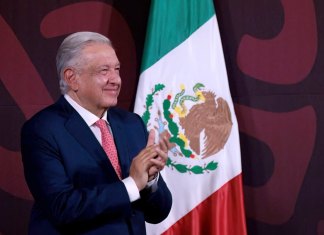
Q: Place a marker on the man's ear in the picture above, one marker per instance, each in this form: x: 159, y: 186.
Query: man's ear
x: 70, y: 77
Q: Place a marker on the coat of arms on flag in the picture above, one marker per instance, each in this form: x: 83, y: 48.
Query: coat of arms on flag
x: 197, y: 122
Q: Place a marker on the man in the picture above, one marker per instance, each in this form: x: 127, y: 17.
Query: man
x: 77, y: 187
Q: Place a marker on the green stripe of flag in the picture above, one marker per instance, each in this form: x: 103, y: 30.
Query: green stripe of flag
x: 168, y: 26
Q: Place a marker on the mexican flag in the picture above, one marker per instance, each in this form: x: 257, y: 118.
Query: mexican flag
x: 183, y: 93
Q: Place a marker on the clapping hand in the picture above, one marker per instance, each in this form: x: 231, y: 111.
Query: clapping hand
x: 162, y: 148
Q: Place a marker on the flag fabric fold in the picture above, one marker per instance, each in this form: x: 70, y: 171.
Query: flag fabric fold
x: 183, y: 93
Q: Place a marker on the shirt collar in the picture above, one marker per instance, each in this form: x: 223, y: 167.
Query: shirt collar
x: 86, y: 115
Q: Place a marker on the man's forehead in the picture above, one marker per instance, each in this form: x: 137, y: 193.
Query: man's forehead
x: 100, y: 51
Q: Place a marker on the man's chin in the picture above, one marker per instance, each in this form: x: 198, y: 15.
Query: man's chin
x: 111, y: 104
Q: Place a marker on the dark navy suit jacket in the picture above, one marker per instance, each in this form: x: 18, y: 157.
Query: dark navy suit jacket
x: 75, y: 188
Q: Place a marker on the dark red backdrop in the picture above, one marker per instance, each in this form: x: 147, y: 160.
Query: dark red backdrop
x: 273, y: 52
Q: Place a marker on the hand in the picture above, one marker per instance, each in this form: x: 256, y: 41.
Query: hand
x: 162, y: 150
x: 141, y: 164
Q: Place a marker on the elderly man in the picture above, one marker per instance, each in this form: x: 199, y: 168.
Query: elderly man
x: 92, y: 168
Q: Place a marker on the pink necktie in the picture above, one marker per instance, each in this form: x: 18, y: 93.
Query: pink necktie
x: 109, y: 145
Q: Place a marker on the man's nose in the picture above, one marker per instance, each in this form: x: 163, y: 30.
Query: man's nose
x: 114, y: 76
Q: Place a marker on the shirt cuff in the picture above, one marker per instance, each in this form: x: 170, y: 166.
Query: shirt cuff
x: 153, y: 183
x: 131, y: 188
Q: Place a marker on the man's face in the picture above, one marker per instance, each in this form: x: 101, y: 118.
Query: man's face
x: 98, y: 80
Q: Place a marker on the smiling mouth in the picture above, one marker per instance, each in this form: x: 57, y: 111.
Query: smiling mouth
x: 114, y: 91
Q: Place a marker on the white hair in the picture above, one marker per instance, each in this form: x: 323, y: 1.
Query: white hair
x: 69, y: 52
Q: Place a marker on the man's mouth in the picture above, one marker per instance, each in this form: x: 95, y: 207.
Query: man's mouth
x: 111, y: 90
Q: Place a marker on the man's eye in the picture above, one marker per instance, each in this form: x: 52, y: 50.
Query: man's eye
x: 104, y: 71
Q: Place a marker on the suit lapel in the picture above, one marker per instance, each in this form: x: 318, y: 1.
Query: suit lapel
x: 78, y: 128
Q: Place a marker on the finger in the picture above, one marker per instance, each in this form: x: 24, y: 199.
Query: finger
x: 163, y: 144
x: 157, y: 165
x: 165, y: 141
x: 147, y: 149
x: 168, y: 143
x: 153, y: 166
x: 162, y: 155
x: 151, y: 138
x: 153, y: 170
x: 145, y: 155
x: 148, y: 152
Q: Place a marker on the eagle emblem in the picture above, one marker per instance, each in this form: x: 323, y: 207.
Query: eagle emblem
x: 198, y: 124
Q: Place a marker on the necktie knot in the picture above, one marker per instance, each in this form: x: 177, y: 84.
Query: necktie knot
x: 108, y: 145
x: 102, y: 125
